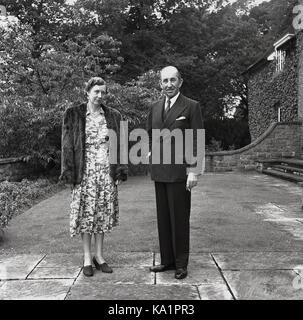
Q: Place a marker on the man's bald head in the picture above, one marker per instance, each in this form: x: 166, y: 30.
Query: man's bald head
x: 170, y: 69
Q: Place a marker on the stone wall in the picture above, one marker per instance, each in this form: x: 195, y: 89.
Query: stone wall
x: 268, y: 89
x: 281, y: 139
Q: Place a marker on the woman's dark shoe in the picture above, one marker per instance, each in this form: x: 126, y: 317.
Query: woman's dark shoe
x: 104, y: 267
x: 88, y: 271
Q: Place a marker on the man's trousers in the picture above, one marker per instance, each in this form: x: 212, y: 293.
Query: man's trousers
x: 173, y: 213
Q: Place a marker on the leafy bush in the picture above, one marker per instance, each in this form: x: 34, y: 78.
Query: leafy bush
x: 34, y: 128
x: 226, y: 134
x: 16, y: 196
x: 35, y: 88
x: 132, y: 100
x: 213, y: 146
x: 28, y: 131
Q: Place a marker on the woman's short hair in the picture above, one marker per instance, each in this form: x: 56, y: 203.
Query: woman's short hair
x: 94, y: 81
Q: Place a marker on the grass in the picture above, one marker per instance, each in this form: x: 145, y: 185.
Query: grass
x: 17, y: 197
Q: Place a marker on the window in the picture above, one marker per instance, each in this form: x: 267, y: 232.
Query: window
x: 280, y: 50
x: 277, y: 111
x: 280, y: 59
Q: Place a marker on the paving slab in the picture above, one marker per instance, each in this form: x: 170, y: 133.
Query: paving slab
x: 59, y: 260
x: 295, y: 228
x: 201, y: 269
x: 35, y: 289
x: 196, y: 276
x: 216, y: 291
x: 123, y: 275
x: 114, y: 259
x: 18, y: 266
x: 281, y: 220
x: 135, y: 259
x: 258, y: 260
x: 294, y: 208
x: 263, y: 284
x: 196, y: 260
x: 271, y: 210
x: 55, y: 273
x: 96, y: 290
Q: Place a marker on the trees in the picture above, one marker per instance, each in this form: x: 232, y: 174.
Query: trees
x: 273, y: 18
x: 35, y: 90
x: 59, y: 71
x: 212, y: 42
x: 58, y: 46
x: 45, y: 17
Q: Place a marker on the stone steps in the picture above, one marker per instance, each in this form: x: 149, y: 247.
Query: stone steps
x: 283, y: 175
x: 285, y: 168
x: 293, y: 161
x: 290, y: 169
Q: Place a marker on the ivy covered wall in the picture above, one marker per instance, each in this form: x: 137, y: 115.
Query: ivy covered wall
x: 268, y: 90
x: 300, y: 74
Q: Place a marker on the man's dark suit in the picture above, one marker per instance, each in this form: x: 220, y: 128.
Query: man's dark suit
x: 172, y: 198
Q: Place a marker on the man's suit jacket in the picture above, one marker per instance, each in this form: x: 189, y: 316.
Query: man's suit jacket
x: 188, y: 112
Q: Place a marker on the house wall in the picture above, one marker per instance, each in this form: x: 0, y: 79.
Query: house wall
x: 300, y: 74
x: 268, y: 89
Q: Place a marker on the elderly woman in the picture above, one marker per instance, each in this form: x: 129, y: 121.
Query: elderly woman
x: 85, y: 164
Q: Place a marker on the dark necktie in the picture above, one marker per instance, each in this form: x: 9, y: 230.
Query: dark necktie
x: 167, y: 108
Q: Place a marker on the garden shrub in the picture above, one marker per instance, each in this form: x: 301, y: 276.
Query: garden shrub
x: 33, y: 128
x: 226, y: 134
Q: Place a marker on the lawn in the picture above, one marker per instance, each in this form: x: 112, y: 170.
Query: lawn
x: 17, y: 197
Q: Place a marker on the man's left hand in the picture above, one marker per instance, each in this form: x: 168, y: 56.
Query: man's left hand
x: 192, y: 181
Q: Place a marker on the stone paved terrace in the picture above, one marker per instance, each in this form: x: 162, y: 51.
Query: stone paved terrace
x: 246, y: 243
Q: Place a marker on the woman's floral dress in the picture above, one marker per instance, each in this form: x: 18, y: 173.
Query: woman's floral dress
x: 94, y: 205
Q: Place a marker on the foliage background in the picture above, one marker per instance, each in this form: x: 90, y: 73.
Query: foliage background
x: 46, y: 58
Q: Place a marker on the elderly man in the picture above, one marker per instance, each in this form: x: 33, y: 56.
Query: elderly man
x: 173, y: 181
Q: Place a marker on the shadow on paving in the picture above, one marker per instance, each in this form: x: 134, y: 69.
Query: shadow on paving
x: 246, y: 243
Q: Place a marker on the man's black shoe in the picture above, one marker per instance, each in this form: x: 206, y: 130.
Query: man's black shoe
x: 181, y: 273
x: 161, y: 268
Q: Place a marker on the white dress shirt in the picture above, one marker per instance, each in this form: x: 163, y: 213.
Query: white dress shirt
x: 172, y: 100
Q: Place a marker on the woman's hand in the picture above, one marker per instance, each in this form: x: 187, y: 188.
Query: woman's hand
x: 115, y: 182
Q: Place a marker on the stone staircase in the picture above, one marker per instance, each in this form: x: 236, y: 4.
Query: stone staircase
x: 290, y: 169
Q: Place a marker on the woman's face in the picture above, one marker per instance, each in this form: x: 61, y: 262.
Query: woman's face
x: 96, y: 94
